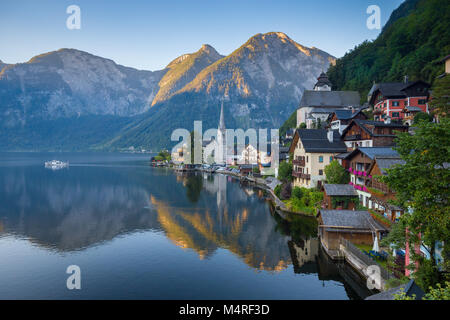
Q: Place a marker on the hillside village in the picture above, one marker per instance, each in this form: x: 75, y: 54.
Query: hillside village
x: 336, y: 135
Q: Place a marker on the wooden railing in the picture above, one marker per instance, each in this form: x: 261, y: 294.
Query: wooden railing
x: 385, y: 274
x: 301, y: 175
x: 299, y: 162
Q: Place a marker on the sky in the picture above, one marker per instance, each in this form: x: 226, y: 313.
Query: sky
x: 149, y: 34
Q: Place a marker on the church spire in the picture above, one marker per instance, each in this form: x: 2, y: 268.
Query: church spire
x: 222, y: 120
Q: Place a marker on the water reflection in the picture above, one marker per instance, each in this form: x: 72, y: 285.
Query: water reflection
x: 244, y: 225
x: 86, y: 206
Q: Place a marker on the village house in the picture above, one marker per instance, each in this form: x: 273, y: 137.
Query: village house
x: 366, y: 133
x: 319, y: 103
x: 312, y: 150
x: 409, y: 113
x: 339, y: 196
x: 340, y: 119
x: 381, y: 194
x: 359, y: 227
x: 390, y: 99
x: 359, y: 162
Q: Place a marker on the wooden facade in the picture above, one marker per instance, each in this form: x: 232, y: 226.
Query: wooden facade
x: 370, y: 134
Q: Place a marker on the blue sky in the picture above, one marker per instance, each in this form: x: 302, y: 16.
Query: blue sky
x: 149, y: 34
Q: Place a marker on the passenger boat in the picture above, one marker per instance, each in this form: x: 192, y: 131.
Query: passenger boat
x: 56, y: 164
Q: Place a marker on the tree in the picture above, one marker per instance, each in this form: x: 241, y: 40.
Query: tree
x: 336, y: 174
x: 297, y: 192
x: 285, y: 171
x: 302, y: 125
x: 286, y: 191
x: 441, y: 96
x: 422, y: 116
x: 422, y: 185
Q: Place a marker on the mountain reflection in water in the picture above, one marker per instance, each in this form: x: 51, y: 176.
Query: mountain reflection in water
x: 91, y: 205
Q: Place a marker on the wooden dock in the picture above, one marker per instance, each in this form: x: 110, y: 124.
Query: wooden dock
x: 358, y: 261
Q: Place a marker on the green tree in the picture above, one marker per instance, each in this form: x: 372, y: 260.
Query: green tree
x: 297, y: 192
x: 336, y: 174
x: 422, y: 116
x: 438, y: 293
x: 302, y: 125
x: 285, y: 171
x: 422, y: 185
x: 441, y: 96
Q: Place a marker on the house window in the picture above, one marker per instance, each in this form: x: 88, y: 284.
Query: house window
x: 395, y: 103
x: 320, y: 172
x: 307, y: 158
x: 395, y: 114
x: 320, y: 159
x: 422, y: 101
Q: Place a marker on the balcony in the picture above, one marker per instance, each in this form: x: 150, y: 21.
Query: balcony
x: 301, y: 175
x: 378, y: 111
x: 353, y: 137
x: 300, y: 163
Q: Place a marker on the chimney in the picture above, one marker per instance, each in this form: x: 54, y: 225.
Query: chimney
x: 330, y: 135
x: 405, y: 79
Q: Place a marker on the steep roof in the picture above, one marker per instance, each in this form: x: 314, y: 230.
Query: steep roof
x: 313, y: 98
x: 372, y: 152
x: 316, y: 141
x: 345, y: 114
x: 386, y: 163
x: 323, y: 80
x: 393, y: 89
x: 340, y: 190
x: 350, y: 219
x: 410, y: 288
x: 388, y: 89
x: 365, y: 124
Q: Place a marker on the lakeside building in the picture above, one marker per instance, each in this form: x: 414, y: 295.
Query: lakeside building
x: 312, y: 150
x: 359, y: 227
x: 381, y: 194
x: 339, y: 196
x: 358, y: 163
x: 389, y: 99
x: 316, y: 105
x: 366, y: 133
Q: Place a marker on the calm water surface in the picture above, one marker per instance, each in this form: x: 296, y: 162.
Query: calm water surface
x: 145, y: 233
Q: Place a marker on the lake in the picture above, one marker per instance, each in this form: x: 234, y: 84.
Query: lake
x: 138, y: 232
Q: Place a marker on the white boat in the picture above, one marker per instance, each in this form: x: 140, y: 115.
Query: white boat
x: 56, y: 164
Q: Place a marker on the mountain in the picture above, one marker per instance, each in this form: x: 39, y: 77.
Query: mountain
x: 70, y: 99
x: 412, y: 43
x: 68, y: 83
x: 183, y: 70
x: 260, y: 83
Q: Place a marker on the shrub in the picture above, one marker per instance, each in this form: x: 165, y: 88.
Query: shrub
x: 286, y: 191
x: 336, y: 174
x: 277, y: 190
x: 285, y: 171
x: 297, y: 193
